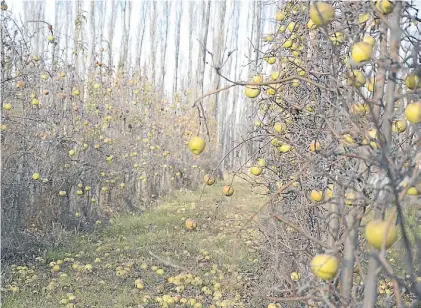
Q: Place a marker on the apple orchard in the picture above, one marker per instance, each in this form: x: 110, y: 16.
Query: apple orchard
x: 334, y: 141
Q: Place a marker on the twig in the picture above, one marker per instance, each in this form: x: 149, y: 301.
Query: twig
x: 296, y: 228
x: 280, y: 190
x: 211, y: 93
x: 169, y: 262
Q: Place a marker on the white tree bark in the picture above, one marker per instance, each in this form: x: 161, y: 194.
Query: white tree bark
x: 76, y: 35
x: 125, y: 25
x: 92, y: 45
x: 152, y: 36
x: 141, y: 32
x: 177, y: 46
x: 111, y: 27
x: 164, y: 44
x: 192, y: 16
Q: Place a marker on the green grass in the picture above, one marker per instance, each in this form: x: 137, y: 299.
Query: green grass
x: 219, y: 251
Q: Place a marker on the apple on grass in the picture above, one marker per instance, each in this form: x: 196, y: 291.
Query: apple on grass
x: 191, y: 224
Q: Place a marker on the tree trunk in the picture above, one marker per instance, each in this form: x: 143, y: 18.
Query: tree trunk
x: 125, y: 25
x: 204, y: 39
x: 141, y: 33
x: 370, y: 291
x: 111, y: 27
x: 78, y: 25
x: 92, y: 45
x: 219, y: 44
x: 177, y: 46
x: 192, y: 14
x: 164, y: 51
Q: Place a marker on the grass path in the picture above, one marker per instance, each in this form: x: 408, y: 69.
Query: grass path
x: 150, y: 260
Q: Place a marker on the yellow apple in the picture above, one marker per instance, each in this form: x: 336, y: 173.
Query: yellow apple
x: 378, y: 230
x: 311, y: 25
x: 291, y: 26
x: 295, y: 276
x: 373, y: 133
x: 356, y: 78
x: 363, y: 18
x: 252, y: 91
x: 275, y: 75
x: 7, y: 106
x: 325, y: 266
x: 358, y: 109
x: 208, y: 179
x: 361, y: 52
x: 270, y: 91
x: 35, y: 176
x: 197, y: 145
x: 284, y: 148
x: 370, y: 84
x: 62, y: 193
x: 256, y: 170
x: 413, y: 112
x: 412, y: 191
x: 287, y: 44
x: 384, y: 6
x: 316, y: 195
x: 72, y: 152
x: 261, y: 162
x: 228, y: 190
x: 399, y: 126
x: 412, y: 81
x: 191, y: 224
x: 347, y: 139
x: 279, y: 127
x: 280, y: 16
x: 336, y: 38
x: 329, y: 191
x: 370, y: 40
x: 349, y: 198
x: 257, y: 79
x: 322, y: 13
x: 268, y: 38
x: 314, y: 146
x: 270, y: 60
